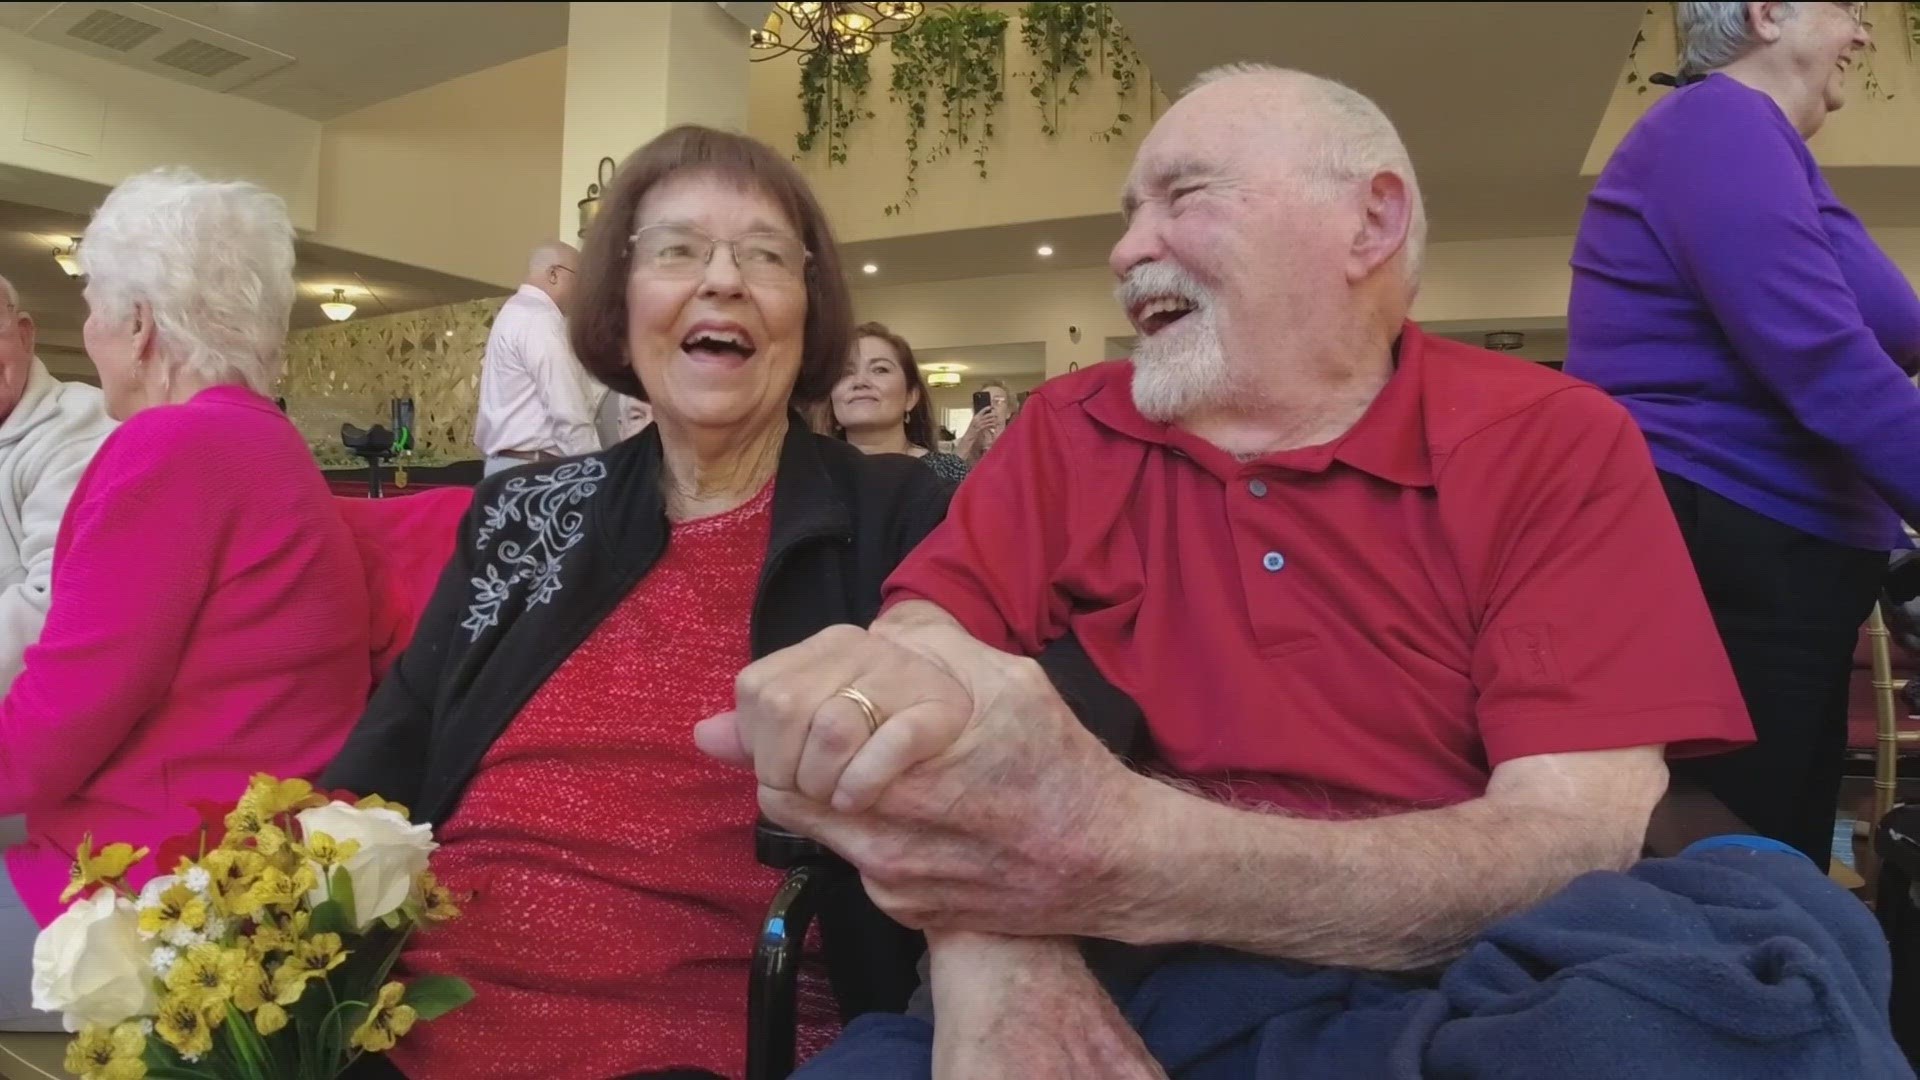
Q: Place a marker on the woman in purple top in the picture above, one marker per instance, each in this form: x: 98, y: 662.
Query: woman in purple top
x: 1764, y: 344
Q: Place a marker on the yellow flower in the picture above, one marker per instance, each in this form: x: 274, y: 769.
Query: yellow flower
x: 278, y: 889
x: 251, y: 986
x: 100, y: 1053
x: 269, y: 1019
x: 323, y: 952
x: 270, y: 936
x: 180, y: 907
x: 233, y: 872
x: 387, y: 1023
x: 436, y: 901
x: 375, y: 802
x: 183, y: 1025
x: 108, y: 865
x: 275, y: 797
x: 206, y: 976
x: 328, y: 852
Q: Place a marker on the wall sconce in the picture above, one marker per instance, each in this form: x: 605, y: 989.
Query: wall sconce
x: 69, y: 259
x: 338, y: 309
x: 590, y: 206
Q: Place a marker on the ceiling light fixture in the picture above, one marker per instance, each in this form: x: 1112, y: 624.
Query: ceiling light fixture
x: 846, y: 29
x: 870, y: 268
x: 943, y: 378
x: 338, y: 309
x: 69, y: 259
x: 1044, y: 250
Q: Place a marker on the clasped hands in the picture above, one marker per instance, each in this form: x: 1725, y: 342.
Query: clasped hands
x: 979, y: 810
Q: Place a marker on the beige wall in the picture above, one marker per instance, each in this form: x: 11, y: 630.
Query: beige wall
x: 460, y: 177
x: 1470, y: 285
x: 1879, y: 129
x: 1031, y: 177
x: 79, y: 118
x: 634, y: 70
x: 349, y: 372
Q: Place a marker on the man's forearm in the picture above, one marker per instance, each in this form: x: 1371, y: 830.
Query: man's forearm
x: 1393, y: 893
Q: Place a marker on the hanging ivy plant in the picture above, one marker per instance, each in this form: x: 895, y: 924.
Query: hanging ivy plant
x: 961, y: 53
x: 833, y: 94
x: 1068, y: 42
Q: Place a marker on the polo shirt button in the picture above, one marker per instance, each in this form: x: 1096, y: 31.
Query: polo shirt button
x: 1273, y: 561
x: 1258, y: 488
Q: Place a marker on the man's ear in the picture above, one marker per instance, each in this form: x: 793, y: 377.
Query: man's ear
x: 23, y: 324
x: 1386, y: 223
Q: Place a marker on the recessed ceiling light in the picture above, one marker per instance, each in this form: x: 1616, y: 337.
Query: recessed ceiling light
x: 1044, y: 250
x: 870, y: 268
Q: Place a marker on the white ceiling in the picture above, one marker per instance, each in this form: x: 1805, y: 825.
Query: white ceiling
x: 346, y: 56
x: 1019, y: 360
x: 28, y: 235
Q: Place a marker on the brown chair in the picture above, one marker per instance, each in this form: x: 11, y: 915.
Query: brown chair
x: 1880, y: 728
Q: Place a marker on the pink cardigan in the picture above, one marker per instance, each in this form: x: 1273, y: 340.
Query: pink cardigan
x: 209, y: 621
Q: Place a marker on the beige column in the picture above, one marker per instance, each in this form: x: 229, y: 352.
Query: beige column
x: 634, y: 70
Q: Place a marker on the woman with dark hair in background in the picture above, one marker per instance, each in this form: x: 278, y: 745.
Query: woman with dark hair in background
x: 881, y: 404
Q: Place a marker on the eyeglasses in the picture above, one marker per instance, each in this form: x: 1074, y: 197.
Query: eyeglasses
x: 681, y: 252
x: 1857, y: 12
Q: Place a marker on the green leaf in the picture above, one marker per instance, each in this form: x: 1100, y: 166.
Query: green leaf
x: 251, y: 1054
x: 329, y: 919
x: 340, y: 891
x: 434, y: 996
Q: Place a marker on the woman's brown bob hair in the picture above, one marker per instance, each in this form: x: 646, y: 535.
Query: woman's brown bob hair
x: 598, y: 325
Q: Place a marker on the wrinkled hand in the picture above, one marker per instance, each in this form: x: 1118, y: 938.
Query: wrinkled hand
x: 980, y: 803
x: 1026, y: 1007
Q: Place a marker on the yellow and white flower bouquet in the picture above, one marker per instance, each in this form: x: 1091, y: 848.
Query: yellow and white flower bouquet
x: 263, y: 952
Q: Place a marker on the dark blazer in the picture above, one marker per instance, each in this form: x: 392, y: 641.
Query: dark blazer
x: 548, y: 550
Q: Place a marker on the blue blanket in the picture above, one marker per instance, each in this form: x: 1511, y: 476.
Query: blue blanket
x: 1730, y: 962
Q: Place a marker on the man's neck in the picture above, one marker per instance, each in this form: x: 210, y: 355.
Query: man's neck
x: 1308, y: 398
x: 1806, y: 107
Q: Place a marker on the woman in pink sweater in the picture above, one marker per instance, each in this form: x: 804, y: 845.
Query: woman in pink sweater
x: 209, y: 616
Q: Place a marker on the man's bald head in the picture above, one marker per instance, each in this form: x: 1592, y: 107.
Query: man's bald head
x: 1330, y: 130
x: 1273, y: 222
x: 552, y: 268
x: 16, y: 348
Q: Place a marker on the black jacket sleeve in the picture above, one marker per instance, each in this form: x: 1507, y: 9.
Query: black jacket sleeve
x: 386, y: 754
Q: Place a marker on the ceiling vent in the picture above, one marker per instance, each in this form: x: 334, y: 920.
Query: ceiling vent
x: 111, y: 31
x: 201, y: 58
x: 158, y: 43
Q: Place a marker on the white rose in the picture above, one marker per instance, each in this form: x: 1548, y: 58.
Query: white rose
x: 91, y: 964
x: 392, y: 854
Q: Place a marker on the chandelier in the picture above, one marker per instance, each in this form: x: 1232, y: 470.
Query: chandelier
x: 845, y: 29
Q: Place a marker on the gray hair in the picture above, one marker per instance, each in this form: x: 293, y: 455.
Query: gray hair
x: 213, y: 262
x: 8, y: 295
x: 1360, y: 142
x: 1713, y: 35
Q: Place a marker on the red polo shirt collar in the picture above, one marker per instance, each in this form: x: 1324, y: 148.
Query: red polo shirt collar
x: 1389, y: 441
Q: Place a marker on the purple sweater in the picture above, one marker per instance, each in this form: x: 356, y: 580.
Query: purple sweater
x: 1748, y: 322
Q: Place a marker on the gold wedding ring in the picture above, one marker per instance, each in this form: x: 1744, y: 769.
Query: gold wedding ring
x: 874, y: 719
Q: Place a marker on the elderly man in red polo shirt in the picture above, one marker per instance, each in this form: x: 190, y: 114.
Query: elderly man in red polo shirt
x: 1410, y: 623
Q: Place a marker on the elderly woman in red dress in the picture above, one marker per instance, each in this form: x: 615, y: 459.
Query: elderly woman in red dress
x: 596, y: 607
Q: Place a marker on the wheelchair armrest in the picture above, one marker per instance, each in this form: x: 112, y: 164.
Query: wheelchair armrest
x: 773, y: 986
x: 1897, y: 839
x: 784, y: 850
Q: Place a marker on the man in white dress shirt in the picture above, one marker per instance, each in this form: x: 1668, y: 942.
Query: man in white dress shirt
x: 536, y: 401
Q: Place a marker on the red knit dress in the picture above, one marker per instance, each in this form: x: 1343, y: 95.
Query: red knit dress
x: 614, y: 897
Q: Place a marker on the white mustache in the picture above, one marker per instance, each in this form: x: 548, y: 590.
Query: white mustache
x: 1148, y: 280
